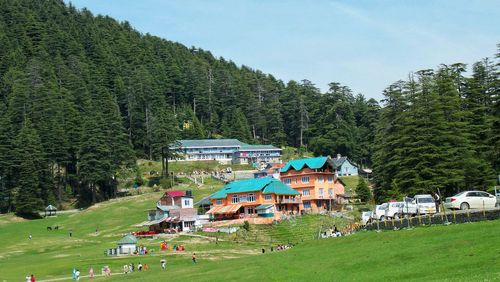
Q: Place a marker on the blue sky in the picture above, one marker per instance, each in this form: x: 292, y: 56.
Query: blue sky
x: 365, y: 45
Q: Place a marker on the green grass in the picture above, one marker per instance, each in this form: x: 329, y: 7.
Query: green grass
x: 466, y: 252
x: 350, y: 182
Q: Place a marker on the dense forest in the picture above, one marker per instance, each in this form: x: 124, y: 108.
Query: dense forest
x: 83, y: 96
x: 439, y: 131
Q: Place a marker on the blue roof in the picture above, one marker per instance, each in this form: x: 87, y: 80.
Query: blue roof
x: 312, y: 163
x: 210, y: 143
x: 266, y: 185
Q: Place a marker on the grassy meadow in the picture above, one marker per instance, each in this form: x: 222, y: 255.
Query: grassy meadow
x: 467, y: 252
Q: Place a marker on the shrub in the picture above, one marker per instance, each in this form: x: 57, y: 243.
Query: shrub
x: 246, y: 225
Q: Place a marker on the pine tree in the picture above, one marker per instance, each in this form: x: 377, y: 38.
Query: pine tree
x: 363, y: 191
x: 95, y: 165
x: 30, y: 169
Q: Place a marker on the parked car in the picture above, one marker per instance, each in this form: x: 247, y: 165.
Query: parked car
x: 379, y: 212
x: 497, y: 194
x: 471, y: 200
x: 420, y: 204
x: 394, y: 210
x: 366, y: 216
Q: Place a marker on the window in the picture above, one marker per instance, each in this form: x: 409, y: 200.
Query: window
x: 243, y: 198
x: 251, y: 197
x: 235, y: 199
x: 218, y: 203
x: 330, y: 178
x: 186, y: 202
x: 305, y: 179
x: 307, y: 204
x: 330, y: 192
x: 320, y: 178
x: 287, y: 181
x: 296, y: 180
x: 268, y: 197
x: 306, y: 192
x: 321, y: 191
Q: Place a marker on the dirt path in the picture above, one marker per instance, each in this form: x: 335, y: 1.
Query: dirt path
x: 81, y: 276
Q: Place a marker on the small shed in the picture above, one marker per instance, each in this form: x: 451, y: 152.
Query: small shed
x: 127, y: 244
x: 50, y: 210
x: 265, y: 210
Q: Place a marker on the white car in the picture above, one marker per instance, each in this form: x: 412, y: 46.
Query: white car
x: 497, y: 194
x: 421, y: 204
x: 379, y: 212
x: 394, y: 210
x: 471, y: 200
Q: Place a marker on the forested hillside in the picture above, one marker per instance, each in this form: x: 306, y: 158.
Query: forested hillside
x: 82, y: 96
x: 439, y: 130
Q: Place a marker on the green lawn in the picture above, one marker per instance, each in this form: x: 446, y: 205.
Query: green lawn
x: 467, y: 252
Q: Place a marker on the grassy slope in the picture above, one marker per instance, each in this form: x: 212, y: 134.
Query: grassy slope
x: 467, y: 252
x: 350, y: 182
x: 52, y: 253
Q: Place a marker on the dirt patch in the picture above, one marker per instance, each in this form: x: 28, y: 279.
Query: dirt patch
x: 61, y: 256
x: 11, y: 219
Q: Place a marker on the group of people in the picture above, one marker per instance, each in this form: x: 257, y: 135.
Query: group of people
x: 129, y: 268
x: 141, y: 250
x: 279, y: 248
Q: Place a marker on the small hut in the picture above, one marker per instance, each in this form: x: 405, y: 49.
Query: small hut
x: 50, y: 210
x: 127, y: 244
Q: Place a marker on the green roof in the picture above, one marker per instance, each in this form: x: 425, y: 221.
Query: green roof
x: 266, y: 184
x: 128, y: 239
x: 263, y: 207
x: 279, y: 188
x: 211, y: 143
x: 312, y: 163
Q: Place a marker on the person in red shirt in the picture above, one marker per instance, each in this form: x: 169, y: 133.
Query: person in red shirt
x: 32, y: 278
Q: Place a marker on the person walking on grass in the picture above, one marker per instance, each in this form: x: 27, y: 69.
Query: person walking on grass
x: 163, y: 263
x: 32, y: 278
x: 91, y: 273
x: 194, y: 258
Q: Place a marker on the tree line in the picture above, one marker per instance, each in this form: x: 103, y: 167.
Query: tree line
x: 83, y: 96
x: 439, y: 131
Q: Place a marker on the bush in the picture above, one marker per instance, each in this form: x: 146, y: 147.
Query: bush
x: 165, y: 183
x: 246, y: 225
x: 154, y: 181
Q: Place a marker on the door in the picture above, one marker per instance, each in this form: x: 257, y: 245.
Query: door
x: 476, y: 200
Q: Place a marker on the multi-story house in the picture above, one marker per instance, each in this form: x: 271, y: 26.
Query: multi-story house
x: 225, y: 151
x: 316, y: 181
x: 173, y: 211
x: 252, y: 197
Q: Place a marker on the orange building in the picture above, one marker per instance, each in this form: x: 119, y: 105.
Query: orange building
x: 253, y: 197
x: 315, y: 180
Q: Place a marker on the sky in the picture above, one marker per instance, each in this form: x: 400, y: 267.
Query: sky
x: 366, y: 45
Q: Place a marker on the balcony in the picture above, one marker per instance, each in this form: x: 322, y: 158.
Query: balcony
x: 289, y: 201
